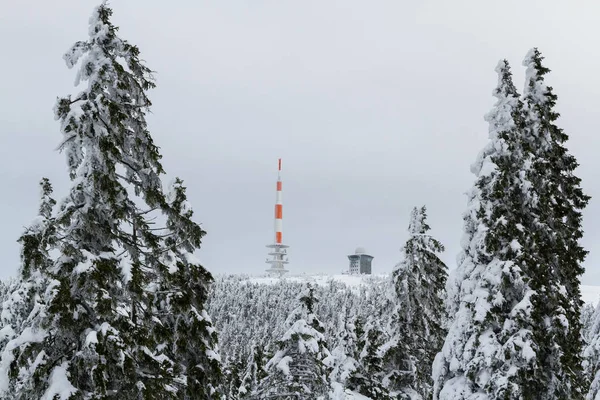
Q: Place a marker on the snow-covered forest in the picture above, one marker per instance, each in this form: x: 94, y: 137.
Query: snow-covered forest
x: 111, y: 303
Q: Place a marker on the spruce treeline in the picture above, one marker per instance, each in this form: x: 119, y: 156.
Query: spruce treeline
x: 252, y: 318
x: 381, y: 345
x: 508, y: 323
x: 298, y: 368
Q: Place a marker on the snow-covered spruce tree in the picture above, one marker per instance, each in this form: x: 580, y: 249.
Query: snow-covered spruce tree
x: 588, y: 312
x: 297, y: 370
x: 246, y: 312
x: 555, y: 248
x: 234, y: 367
x: 24, y: 300
x: 417, y: 321
x: 186, y: 326
x: 342, y: 362
x: 458, y: 284
x: 103, y: 333
x: 36, y: 243
x: 233, y: 371
x: 254, y: 371
x: 367, y: 377
x: 490, y: 350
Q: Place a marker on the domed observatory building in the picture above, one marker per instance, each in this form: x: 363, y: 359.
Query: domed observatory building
x: 360, y: 262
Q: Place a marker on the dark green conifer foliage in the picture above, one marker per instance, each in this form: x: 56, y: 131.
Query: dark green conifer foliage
x: 37, y: 240
x: 233, y: 370
x: 25, y: 301
x: 555, y: 249
x: 517, y: 331
x: 180, y: 302
x: 368, y: 376
x: 254, y: 371
x: 418, y: 332
x: 490, y: 350
x: 125, y: 314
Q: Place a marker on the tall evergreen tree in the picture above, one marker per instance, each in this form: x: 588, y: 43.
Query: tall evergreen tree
x: 25, y: 296
x: 108, y: 330
x: 36, y: 243
x: 490, y: 349
x: 417, y: 322
x: 556, y: 231
x: 368, y: 375
x: 297, y: 370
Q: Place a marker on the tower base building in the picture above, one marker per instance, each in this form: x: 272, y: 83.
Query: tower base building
x: 278, y: 259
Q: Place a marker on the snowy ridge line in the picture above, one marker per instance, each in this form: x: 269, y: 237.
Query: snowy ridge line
x: 590, y: 294
x: 352, y: 282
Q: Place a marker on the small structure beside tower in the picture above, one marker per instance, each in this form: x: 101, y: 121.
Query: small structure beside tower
x: 278, y: 253
x: 360, y: 262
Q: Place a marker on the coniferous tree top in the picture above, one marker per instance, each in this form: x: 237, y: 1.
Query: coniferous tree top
x: 488, y: 350
x: 125, y: 311
x: 519, y: 292
x: 24, y: 300
x: 418, y: 318
x: 504, y: 129
x: 557, y: 203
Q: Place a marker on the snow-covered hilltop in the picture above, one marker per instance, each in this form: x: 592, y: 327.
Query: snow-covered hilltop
x: 590, y: 294
x: 352, y: 281
x: 251, y: 312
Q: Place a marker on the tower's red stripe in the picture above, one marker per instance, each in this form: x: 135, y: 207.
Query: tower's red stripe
x: 278, y: 211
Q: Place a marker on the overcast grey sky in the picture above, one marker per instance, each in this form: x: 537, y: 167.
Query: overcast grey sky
x: 374, y: 106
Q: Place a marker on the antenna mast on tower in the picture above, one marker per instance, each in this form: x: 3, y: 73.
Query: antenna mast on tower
x: 279, y: 250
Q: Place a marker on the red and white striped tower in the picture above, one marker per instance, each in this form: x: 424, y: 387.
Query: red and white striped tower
x: 279, y: 253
